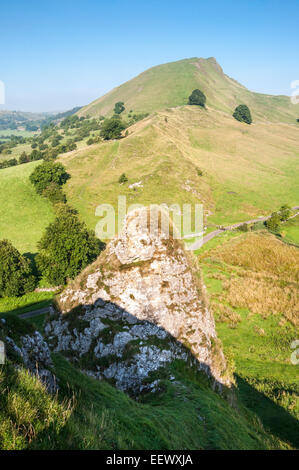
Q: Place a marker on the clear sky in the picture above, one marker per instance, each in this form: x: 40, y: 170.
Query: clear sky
x: 59, y: 54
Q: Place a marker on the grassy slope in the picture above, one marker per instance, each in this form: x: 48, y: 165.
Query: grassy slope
x: 23, y: 214
x: 169, y: 85
x: 257, y: 323
x: 88, y: 414
x: 290, y: 230
x: 248, y: 170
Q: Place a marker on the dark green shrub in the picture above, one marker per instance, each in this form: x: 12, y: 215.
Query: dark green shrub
x: 243, y: 228
x: 284, y: 212
x: 242, y: 114
x: 119, y: 107
x: 197, y: 97
x: 16, y: 276
x: 54, y: 193
x: 122, y: 179
x: 273, y: 224
x: 23, y: 158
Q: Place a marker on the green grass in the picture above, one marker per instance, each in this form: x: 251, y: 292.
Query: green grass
x: 260, y: 346
x: 25, y: 303
x: 290, y: 230
x: 246, y: 172
x: 245, y: 175
x: 169, y: 85
x: 9, y: 132
x: 89, y: 414
x: 23, y: 213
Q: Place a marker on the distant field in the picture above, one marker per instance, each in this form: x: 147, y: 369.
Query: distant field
x: 23, y: 214
x: 8, y: 132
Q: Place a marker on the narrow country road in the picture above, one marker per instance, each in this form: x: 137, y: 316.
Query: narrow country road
x: 34, y: 313
x: 199, y: 243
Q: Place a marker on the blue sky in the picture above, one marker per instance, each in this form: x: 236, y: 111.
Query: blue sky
x: 59, y: 54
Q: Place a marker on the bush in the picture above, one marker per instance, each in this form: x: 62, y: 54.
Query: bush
x: 197, y: 97
x: 284, y: 212
x: 123, y: 179
x: 66, y: 247
x: 54, y: 193
x: 16, y: 276
x: 242, y: 114
x: 23, y: 158
x: 273, y: 224
x: 243, y: 228
x: 46, y: 173
x: 112, y: 128
x: 119, y: 107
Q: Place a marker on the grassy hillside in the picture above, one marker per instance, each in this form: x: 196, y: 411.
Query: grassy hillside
x: 252, y: 280
x: 290, y: 230
x: 170, y: 85
x: 23, y: 214
x: 88, y: 414
x: 248, y: 171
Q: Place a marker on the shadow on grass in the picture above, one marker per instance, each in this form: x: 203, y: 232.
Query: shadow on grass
x: 275, y: 418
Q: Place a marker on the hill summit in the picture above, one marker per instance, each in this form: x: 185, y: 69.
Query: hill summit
x: 169, y: 85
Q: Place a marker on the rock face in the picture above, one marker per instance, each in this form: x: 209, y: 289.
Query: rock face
x: 136, y: 309
x: 35, y: 355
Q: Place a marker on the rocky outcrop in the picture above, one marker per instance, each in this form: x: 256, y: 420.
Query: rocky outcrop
x: 136, y: 309
x: 29, y: 350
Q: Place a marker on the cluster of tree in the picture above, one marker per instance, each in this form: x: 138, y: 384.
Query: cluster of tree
x: 112, y: 128
x: 242, y: 112
x: 51, y: 143
x: 274, y: 222
x: 14, y: 140
x: 8, y: 163
x: 31, y: 127
x: 66, y: 247
x: 71, y: 122
x: 41, y: 150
